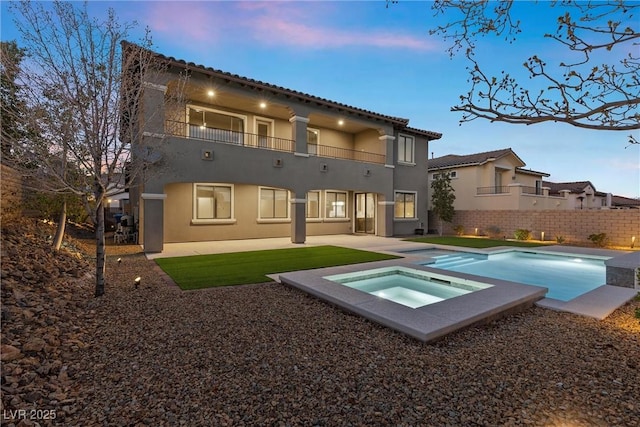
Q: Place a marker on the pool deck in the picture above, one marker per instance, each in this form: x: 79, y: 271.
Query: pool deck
x: 426, y: 323
x: 598, y: 303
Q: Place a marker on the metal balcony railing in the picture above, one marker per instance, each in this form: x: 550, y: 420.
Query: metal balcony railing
x: 492, y: 190
x: 187, y: 130
x: 345, y: 153
x: 532, y: 190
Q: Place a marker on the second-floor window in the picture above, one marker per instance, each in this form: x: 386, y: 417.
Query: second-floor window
x: 274, y: 203
x: 406, y: 149
x: 215, y: 125
x: 313, y: 139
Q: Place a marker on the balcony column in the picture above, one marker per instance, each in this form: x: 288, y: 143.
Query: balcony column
x: 384, y: 215
x: 298, y: 218
x: 299, y: 135
x: 388, y: 141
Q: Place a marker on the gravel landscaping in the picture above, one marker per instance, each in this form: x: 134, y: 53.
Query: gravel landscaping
x: 266, y: 354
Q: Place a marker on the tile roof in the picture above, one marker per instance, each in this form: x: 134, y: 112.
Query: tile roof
x: 573, y: 187
x: 305, y: 97
x: 469, y: 159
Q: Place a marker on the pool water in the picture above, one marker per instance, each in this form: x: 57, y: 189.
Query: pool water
x: 566, y: 276
x: 409, y: 287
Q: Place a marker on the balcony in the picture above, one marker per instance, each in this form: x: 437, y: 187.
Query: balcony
x: 492, y: 190
x: 224, y: 136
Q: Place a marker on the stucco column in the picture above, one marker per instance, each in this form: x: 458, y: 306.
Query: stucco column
x: 153, y: 224
x: 298, y: 220
x: 388, y: 140
x: 384, y: 216
x: 299, y: 134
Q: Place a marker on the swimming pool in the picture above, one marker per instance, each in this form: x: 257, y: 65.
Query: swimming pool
x: 410, y: 287
x: 567, y: 276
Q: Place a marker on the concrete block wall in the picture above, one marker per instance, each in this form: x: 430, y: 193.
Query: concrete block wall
x: 574, y: 225
x: 11, y: 193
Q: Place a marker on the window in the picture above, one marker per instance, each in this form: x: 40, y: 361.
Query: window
x: 406, y: 145
x: 212, y: 202
x: 313, y: 204
x: 335, y: 204
x: 452, y: 174
x: 313, y: 138
x: 215, y: 125
x: 274, y: 203
x: 405, y: 204
x: 264, y: 132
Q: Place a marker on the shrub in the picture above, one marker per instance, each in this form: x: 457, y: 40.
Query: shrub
x: 494, y: 231
x: 599, y: 239
x: 459, y: 230
x: 522, y: 234
x: 559, y: 239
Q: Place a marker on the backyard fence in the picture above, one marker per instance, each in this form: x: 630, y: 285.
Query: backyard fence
x: 620, y: 225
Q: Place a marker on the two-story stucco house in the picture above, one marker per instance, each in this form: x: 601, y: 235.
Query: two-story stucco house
x: 495, y: 180
x: 580, y: 194
x: 238, y: 158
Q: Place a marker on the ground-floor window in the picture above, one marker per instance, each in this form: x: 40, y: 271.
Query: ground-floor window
x: 212, y: 201
x: 405, y: 204
x: 313, y: 204
x: 274, y: 203
x: 335, y: 204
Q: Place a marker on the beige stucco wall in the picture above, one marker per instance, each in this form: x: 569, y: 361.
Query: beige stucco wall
x: 574, y: 225
x: 178, y: 208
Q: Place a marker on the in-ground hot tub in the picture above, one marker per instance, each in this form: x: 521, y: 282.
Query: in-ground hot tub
x: 416, y: 300
x: 407, y: 286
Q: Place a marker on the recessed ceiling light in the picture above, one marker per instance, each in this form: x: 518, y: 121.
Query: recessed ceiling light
x: 263, y: 104
x: 211, y: 93
x: 340, y: 122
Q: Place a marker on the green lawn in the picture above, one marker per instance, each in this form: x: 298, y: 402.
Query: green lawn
x: 237, y: 268
x: 471, y: 242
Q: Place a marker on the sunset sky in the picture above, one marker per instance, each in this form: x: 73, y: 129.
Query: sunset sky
x: 366, y: 55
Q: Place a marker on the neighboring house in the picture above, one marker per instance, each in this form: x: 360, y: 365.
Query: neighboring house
x: 240, y: 159
x: 580, y: 194
x: 620, y: 202
x: 494, y: 180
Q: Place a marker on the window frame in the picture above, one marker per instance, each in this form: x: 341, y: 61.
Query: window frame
x: 242, y: 117
x: 212, y: 221
x: 317, y: 144
x: 286, y: 218
x: 319, y: 213
x: 326, y: 215
x: 402, y: 159
x: 415, y: 205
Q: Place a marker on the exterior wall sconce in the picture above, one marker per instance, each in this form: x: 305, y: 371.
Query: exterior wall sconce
x: 324, y: 167
x: 367, y: 172
x: 278, y: 163
x: 207, y: 154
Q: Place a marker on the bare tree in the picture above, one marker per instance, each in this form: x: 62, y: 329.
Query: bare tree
x: 80, y: 103
x: 596, y: 87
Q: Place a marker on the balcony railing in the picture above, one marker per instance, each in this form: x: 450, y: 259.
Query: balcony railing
x: 345, y: 153
x: 493, y: 190
x: 187, y: 130
x: 532, y: 190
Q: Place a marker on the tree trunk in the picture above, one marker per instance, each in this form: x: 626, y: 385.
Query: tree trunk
x: 441, y: 227
x: 62, y: 223
x: 100, y: 250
